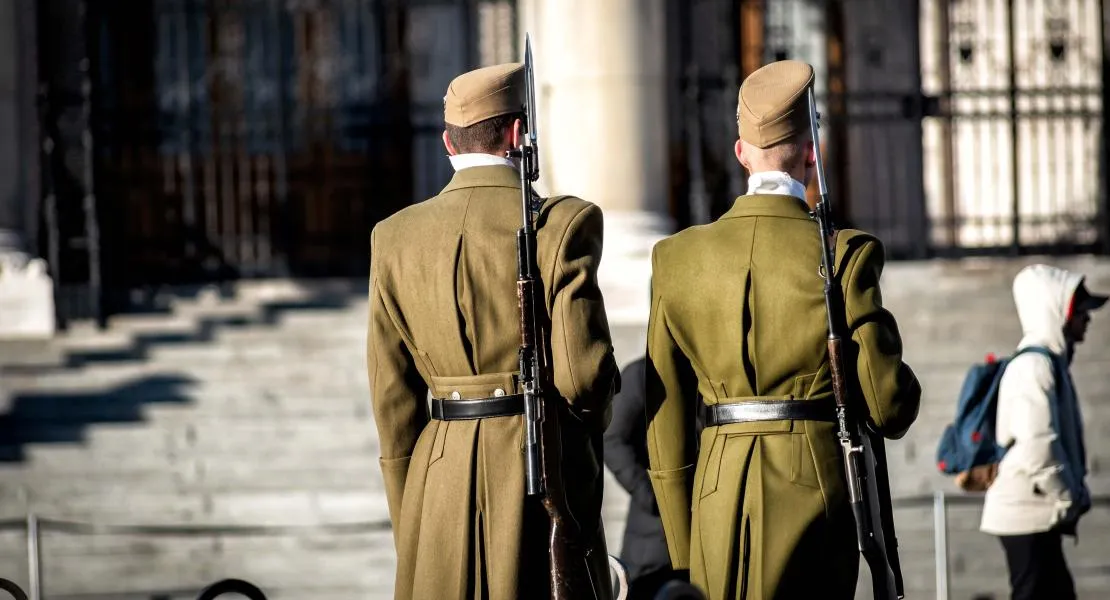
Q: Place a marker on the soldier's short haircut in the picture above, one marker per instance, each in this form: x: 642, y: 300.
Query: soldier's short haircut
x: 484, y: 136
x: 777, y: 156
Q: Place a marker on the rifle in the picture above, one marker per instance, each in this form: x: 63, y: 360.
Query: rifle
x: 568, y: 568
x: 864, y: 451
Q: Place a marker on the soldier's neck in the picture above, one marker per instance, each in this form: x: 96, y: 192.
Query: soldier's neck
x: 479, y: 159
x: 775, y: 182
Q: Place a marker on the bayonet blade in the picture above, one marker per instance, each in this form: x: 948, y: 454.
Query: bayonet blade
x: 531, y: 115
x: 530, y: 75
x: 813, y: 127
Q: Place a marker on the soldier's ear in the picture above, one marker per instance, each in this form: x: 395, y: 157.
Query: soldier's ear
x: 447, y: 144
x: 811, y: 154
x: 739, y: 149
x: 515, y: 133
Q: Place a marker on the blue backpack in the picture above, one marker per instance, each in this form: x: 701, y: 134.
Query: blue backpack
x: 968, y: 449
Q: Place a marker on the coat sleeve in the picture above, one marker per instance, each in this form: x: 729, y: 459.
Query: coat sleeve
x: 889, y: 386
x: 584, y: 369
x: 671, y: 397
x: 397, y: 391
x: 625, y: 432
x: 1024, y: 419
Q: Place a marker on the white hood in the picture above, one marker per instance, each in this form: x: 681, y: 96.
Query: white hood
x: 1042, y: 295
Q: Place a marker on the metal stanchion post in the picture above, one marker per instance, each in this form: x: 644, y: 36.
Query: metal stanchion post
x: 34, y: 557
x: 940, y: 543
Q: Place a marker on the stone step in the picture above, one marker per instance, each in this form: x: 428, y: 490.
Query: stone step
x: 258, y: 562
x: 285, y: 507
x: 240, y: 333
x: 281, y: 365
x: 227, y: 436
x: 64, y: 545
x: 55, y: 447
x: 265, y: 407
x: 349, y: 350
x: 193, y: 475
x: 102, y: 378
x: 162, y: 403
x: 162, y: 398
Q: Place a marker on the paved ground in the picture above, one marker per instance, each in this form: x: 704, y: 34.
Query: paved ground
x: 253, y: 410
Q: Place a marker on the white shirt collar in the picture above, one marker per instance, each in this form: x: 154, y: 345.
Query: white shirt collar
x: 477, y: 159
x: 776, y: 182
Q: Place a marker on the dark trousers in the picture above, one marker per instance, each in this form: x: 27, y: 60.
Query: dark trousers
x: 1037, y: 567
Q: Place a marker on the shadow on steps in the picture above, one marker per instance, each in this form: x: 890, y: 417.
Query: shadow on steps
x: 330, y: 296
x: 61, y: 417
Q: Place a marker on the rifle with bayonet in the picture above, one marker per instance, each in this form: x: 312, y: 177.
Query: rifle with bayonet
x: 863, y: 449
x: 570, y: 576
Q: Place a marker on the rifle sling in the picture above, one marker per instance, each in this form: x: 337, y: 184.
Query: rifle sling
x: 769, y: 410
x: 482, y: 408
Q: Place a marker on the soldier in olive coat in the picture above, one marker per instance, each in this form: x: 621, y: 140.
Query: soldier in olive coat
x: 756, y: 508
x: 444, y: 319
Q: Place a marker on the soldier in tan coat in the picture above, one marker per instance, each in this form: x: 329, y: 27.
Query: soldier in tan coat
x: 444, y: 319
x: 756, y: 508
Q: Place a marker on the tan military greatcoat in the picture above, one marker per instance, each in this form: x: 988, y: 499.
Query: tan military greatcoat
x: 444, y: 317
x: 757, y: 510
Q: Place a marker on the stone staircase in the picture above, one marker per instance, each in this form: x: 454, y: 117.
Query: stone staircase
x: 250, y: 410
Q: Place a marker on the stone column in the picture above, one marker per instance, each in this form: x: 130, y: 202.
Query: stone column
x: 26, y: 292
x: 601, y: 90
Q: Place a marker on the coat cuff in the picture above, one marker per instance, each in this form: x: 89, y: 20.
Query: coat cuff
x: 672, y: 492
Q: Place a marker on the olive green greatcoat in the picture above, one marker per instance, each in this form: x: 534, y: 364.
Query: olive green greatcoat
x: 444, y: 318
x: 758, y: 510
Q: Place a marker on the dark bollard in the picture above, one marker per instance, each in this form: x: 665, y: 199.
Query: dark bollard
x: 232, y: 586
x: 13, y: 589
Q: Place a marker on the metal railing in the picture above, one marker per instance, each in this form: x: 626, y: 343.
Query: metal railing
x: 940, y: 502
x: 34, y: 525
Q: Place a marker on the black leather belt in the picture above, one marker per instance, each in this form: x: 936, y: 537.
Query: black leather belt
x: 482, y: 408
x: 769, y: 410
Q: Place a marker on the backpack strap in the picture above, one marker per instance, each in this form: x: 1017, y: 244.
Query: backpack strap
x: 1056, y: 373
x: 1045, y: 352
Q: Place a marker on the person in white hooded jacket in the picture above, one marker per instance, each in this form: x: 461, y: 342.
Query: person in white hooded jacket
x: 1040, y: 490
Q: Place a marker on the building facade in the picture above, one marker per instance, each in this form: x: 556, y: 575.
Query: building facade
x: 168, y: 142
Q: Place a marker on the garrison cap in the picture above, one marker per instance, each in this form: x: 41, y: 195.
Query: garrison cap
x: 773, y: 104
x: 484, y: 93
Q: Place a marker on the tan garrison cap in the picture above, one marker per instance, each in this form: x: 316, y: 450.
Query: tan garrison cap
x: 773, y: 103
x: 484, y: 93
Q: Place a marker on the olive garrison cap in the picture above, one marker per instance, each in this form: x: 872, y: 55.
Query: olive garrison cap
x: 773, y: 104
x: 484, y: 93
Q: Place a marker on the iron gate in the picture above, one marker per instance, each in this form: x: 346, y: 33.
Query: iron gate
x: 224, y: 139
x: 1016, y: 140
x: 950, y: 127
